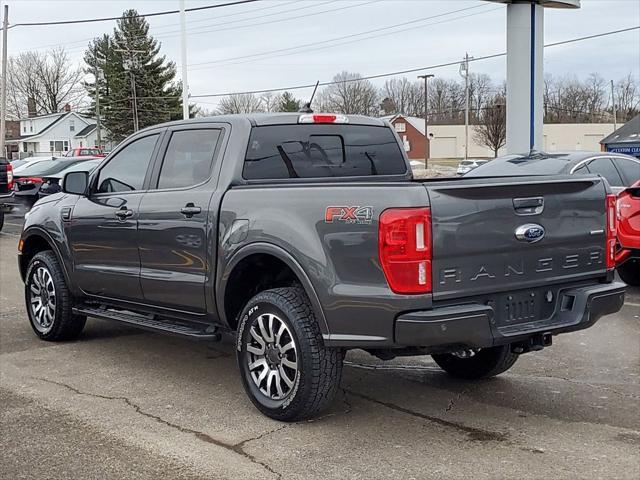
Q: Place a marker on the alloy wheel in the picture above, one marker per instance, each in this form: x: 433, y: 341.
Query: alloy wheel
x: 272, y: 356
x: 42, y: 299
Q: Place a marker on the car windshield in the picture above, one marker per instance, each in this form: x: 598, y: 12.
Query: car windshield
x: 87, y: 166
x: 45, y: 168
x: 515, y: 165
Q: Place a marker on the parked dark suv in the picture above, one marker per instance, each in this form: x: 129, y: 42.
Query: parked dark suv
x: 304, y: 235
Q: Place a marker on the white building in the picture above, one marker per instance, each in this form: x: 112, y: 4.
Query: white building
x: 55, y: 134
x: 448, y: 141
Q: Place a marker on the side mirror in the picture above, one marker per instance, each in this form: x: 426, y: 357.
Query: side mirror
x: 75, y: 183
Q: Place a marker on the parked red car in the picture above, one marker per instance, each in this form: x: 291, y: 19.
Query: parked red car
x: 628, y: 256
x: 84, y: 152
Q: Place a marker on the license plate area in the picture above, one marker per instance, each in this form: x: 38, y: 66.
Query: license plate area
x: 524, y: 306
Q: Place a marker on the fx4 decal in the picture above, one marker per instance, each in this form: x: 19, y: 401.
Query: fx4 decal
x: 355, y: 214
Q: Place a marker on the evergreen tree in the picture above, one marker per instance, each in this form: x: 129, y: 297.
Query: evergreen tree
x: 288, y: 103
x: 132, y: 52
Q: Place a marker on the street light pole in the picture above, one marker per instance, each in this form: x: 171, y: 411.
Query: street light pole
x: 464, y: 71
x: 183, y: 59
x: 3, y: 104
x: 426, y: 118
x: 615, y: 113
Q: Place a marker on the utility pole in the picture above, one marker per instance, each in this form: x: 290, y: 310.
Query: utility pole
x: 130, y: 64
x: 98, y: 74
x: 426, y: 118
x: 3, y: 104
x: 464, y: 72
x: 613, y: 102
x: 183, y: 45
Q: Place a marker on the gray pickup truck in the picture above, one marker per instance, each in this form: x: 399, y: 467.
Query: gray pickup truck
x: 305, y: 235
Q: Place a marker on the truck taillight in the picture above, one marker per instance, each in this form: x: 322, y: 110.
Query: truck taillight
x: 9, y: 177
x: 612, y: 231
x: 405, y: 249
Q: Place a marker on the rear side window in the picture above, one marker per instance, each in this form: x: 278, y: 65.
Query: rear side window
x: 629, y: 169
x: 320, y: 151
x: 189, y: 158
x: 605, y: 167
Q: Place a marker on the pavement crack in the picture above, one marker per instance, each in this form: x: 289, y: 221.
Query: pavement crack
x: 236, y: 448
x: 473, y: 433
x: 587, y: 384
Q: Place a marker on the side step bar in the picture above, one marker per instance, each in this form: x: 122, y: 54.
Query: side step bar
x: 149, y: 322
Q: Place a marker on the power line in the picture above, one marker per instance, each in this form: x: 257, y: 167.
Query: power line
x: 87, y: 39
x: 153, y: 14
x: 375, y: 30
x: 410, y: 70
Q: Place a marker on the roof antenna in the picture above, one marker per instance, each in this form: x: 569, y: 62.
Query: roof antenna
x: 306, y: 108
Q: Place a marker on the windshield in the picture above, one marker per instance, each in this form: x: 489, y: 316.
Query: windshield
x: 515, y: 165
x: 45, y: 168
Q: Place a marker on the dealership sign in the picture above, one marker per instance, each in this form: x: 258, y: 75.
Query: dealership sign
x: 629, y: 150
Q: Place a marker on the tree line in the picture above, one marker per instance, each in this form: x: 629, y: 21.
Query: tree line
x: 567, y: 99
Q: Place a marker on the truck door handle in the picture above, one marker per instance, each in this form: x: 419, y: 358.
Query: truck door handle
x: 123, y: 213
x: 189, y: 210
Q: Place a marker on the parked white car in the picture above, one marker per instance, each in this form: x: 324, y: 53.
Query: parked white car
x: 467, y: 165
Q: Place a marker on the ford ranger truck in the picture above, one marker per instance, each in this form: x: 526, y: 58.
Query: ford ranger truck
x: 306, y: 235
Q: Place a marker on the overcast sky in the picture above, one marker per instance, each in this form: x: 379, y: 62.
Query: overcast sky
x: 267, y: 25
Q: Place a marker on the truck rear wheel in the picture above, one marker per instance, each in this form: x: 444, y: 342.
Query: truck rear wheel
x: 48, y: 300
x: 629, y: 272
x: 286, y: 370
x: 485, y: 363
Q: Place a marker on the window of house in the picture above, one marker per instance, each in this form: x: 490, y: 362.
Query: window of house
x: 66, y: 145
x: 189, y: 158
x: 31, y: 127
x: 126, y: 171
x: 56, y: 145
x: 24, y: 128
x: 401, y: 127
x: 72, y: 125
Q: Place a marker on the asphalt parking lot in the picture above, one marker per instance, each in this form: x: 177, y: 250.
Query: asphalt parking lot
x: 123, y: 403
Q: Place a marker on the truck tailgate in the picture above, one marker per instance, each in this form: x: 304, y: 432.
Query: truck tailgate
x: 503, y: 234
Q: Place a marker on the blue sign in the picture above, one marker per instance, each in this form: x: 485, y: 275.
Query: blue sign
x: 629, y: 150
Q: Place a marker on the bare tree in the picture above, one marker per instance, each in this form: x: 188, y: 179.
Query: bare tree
x: 492, y: 128
x: 269, y: 102
x: 240, y: 103
x: 402, y: 96
x: 349, y: 94
x: 446, y: 101
x: 627, y: 95
x: 49, y: 79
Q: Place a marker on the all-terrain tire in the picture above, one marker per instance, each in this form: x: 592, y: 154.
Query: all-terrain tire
x: 309, y: 387
x: 54, y: 320
x: 629, y: 272
x: 486, y: 363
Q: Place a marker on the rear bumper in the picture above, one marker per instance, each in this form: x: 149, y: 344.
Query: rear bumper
x: 475, y: 326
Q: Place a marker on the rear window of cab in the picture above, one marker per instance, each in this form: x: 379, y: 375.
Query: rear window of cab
x: 322, y: 151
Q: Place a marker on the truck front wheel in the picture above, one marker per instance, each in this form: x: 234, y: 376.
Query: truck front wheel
x: 474, y: 365
x: 286, y: 370
x: 48, y: 300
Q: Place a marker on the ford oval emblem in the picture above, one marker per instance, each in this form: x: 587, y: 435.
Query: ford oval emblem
x: 531, y: 232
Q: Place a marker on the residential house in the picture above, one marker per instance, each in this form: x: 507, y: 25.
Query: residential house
x: 55, y: 134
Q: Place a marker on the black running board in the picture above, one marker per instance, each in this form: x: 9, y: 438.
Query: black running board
x: 149, y: 322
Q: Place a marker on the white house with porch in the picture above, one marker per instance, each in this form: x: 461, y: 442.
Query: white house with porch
x: 55, y: 134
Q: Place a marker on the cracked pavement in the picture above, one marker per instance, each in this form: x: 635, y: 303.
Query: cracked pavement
x: 123, y: 403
